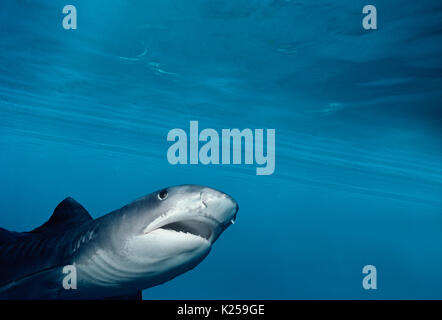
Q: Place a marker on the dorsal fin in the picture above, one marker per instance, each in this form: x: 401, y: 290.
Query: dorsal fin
x: 68, y: 213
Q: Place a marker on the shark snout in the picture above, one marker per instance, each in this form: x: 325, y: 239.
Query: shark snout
x: 219, y: 206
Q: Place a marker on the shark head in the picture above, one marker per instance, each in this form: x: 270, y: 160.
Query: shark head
x: 194, y: 213
x: 158, y: 237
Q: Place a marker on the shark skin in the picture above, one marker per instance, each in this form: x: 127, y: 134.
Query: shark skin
x: 143, y: 244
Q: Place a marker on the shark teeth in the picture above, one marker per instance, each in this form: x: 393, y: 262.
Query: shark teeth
x: 232, y: 221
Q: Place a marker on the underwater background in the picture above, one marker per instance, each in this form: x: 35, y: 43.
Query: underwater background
x: 357, y: 113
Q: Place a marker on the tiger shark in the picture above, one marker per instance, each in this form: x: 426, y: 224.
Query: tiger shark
x: 143, y: 244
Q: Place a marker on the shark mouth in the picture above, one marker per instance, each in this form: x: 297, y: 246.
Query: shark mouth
x: 197, y: 228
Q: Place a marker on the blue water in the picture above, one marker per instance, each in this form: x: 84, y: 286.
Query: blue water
x: 358, y: 177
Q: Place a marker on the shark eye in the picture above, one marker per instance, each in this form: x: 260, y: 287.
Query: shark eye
x: 162, y: 194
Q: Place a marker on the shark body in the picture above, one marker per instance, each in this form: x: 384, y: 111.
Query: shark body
x: 143, y: 244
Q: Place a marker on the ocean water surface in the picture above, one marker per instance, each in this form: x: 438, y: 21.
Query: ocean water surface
x: 358, y: 177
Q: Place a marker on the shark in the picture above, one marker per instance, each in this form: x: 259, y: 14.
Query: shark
x: 143, y: 244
